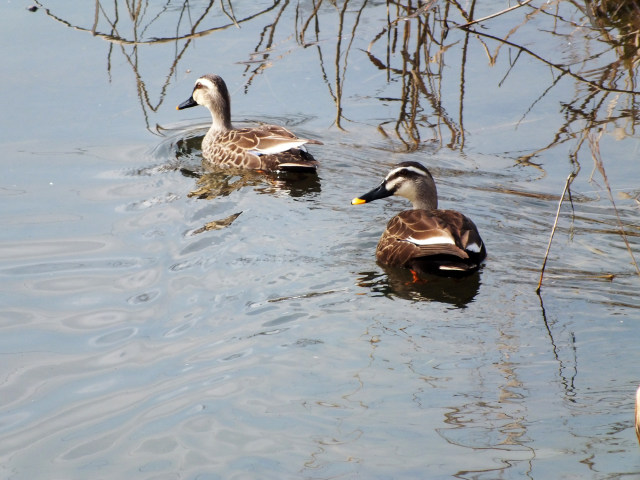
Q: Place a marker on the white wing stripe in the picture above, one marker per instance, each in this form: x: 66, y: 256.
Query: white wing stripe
x: 279, y: 148
x: 431, y: 240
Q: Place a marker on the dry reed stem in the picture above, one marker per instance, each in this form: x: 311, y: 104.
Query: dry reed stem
x: 493, y: 15
x: 570, y: 178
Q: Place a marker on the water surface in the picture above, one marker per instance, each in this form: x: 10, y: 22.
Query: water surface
x: 160, y: 321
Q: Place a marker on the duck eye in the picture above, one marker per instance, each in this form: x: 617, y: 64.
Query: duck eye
x: 198, y: 85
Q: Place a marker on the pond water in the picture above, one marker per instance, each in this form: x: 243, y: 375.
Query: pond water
x: 159, y: 321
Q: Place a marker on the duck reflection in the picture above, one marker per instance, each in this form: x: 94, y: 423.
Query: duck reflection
x: 216, y: 182
x: 222, y: 182
x: 399, y: 282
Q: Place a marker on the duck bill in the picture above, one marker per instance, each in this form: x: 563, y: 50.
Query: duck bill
x: 379, y: 192
x: 187, y: 104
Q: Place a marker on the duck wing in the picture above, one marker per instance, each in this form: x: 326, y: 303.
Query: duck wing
x: 265, y: 139
x: 445, y: 238
x: 267, y: 147
x: 270, y: 139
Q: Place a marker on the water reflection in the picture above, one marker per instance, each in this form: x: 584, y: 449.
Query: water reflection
x: 144, y: 340
x: 221, y: 182
x: 144, y: 24
x: 216, y: 224
x: 399, y: 282
x: 567, y: 368
x: 413, y: 49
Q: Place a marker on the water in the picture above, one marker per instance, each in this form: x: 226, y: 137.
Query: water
x: 160, y: 325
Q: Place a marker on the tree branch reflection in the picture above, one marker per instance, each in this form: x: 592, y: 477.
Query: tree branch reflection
x: 140, y: 19
x: 411, y: 49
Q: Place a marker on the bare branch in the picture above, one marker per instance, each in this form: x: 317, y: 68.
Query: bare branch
x: 570, y: 178
x: 493, y: 15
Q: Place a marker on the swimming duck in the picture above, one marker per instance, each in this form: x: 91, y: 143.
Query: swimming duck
x: 637, y: 419
x: 425, y: 239
x: 264, y: 147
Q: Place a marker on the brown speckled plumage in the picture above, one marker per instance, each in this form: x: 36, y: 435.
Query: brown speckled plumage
x: 425, y: 239
x: 395, y: 250
x: 264, y: 147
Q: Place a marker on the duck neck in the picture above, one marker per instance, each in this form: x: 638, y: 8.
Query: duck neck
x: 220, y: 118
x: 426, y: 197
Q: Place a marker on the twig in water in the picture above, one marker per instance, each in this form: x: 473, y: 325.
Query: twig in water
x: 570, y: 178
x: 493, y: 15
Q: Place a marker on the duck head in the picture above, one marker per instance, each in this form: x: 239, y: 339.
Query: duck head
x: 410, y: 180
x: 210, y: 91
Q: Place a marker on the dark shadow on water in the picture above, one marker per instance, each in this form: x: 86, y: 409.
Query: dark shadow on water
x: 221, y: 182
x: 399, y: 283
x: 187, y: 146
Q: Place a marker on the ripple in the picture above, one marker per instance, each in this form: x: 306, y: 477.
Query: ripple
x: 181, y: 329
x: 12, y: 251
x: 186, y: 265
x: 152, y: 202
x: 238, y: 355
x: 11, y: 191
x: 145, y: 297
x: 284, y: 319
x: 307, y: 342
x: 15, y: 318
x: 158, y: 445
x: 59, y: 267
x: 114, y: 337
x: 89, y: 320
x: 140, y: 278
x: 9, y: 421
x: 91, y: 447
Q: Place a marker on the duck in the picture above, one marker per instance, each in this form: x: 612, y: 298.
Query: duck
x: 637, y: 419
x: 262, y: 147
x: 424, y: 239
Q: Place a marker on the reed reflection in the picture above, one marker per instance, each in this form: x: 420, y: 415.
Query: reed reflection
x: 412, y: 49
x: 143, y: 25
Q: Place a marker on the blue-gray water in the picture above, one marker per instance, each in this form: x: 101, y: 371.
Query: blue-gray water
x: 154, y: 325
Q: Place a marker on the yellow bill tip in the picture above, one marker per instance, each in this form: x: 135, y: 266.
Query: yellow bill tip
x: 177, y: 107
x: 358, y: 201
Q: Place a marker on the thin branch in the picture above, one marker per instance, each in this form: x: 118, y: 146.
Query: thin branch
x: 570, y: 178
x: 493, y: 15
